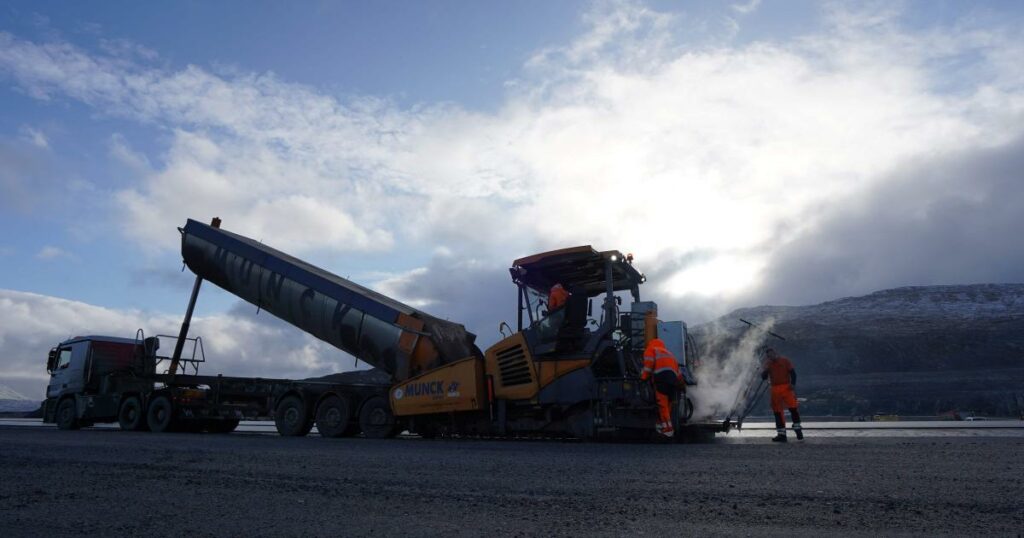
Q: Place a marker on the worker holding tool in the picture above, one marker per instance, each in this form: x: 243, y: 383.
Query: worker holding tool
x: 783, y: 377
x: 662, y: 368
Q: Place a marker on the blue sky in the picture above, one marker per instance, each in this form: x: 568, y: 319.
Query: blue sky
x: 744, y: 151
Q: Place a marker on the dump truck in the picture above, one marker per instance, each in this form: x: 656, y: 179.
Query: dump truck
x: 570, y: 373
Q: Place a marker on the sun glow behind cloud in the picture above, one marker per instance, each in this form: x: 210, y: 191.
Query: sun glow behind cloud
x: 628, y: 137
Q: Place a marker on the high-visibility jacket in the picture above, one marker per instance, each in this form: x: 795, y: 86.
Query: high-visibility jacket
x: 660, y: 362
x: 557, y: 297
x: 779, y: 370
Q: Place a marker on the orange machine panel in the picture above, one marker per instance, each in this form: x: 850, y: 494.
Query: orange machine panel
x: 549, y: 371
x: 421, y: 351
x: 453, y: 387
x: 510, y: 364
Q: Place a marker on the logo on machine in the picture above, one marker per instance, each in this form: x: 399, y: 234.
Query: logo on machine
x: 399, y: 393
x: 425, y: 388
x: 453, y: 389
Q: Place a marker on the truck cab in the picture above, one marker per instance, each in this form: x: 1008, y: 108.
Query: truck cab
x: 88, y: 374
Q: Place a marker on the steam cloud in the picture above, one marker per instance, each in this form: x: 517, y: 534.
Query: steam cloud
x: 728, y: 373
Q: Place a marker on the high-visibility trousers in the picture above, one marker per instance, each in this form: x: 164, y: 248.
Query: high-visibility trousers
x: 664, y: 410
x: 783, y: 397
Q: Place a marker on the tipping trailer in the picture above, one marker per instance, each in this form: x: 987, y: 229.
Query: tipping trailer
x: 573, y: 373
x: 96, y: 379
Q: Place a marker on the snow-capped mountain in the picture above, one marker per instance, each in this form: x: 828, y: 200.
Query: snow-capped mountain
x: 921, y: 349
x: 13, y: 402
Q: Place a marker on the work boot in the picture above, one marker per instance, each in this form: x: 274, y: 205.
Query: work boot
x: 799, y: 432
x: 780, y: 438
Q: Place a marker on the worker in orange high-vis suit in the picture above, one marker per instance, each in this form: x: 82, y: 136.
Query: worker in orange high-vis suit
x: 783, y: 377
x: 557, y: 298
x: 661, y: 366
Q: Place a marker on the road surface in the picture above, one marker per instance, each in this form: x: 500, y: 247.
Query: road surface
x: 103, y: 481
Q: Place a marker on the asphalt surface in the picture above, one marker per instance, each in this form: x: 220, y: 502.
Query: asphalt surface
x: 107, y: 482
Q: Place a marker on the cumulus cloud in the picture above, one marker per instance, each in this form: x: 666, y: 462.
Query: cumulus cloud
x: 709, y: 161
x: 239, y: 342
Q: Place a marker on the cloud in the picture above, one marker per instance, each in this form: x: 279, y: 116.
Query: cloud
x: 50, y: 252
x: 35, y: 137
x: 747, y: 8
x: 27, y: 176
x: 239, y: 342
x: 704, y: 159
x: 952, y: 219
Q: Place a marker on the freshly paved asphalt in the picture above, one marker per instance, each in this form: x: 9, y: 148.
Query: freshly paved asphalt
x: 107, y: 482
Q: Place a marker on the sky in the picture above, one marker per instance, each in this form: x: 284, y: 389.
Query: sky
x: 757, y: 152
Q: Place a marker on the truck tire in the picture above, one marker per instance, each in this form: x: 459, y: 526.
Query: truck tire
x: 333, y: 416
x: 376, y: 420
x: 292, y: 418
x: 160, y: 416
x: 131, y: 417
x: 67, y: 418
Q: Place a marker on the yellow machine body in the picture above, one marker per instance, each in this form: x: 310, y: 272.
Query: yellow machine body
x: 458, y: 386
x: 517, y: 376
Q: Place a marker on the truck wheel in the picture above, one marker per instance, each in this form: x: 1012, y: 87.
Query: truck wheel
x: 66, y: 419
x: 333, y: 417
x: 292, y: 418
x: 130, y: 417
x: 161, y: 415
x: 376, y: 419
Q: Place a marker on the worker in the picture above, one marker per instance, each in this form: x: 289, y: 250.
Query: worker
x: 783, y: 377
x: 662, y: 368
x: 555, y: 315
x: 556, y: 298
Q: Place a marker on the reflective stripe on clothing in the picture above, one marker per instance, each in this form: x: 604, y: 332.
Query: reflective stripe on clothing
x: 657, y: 359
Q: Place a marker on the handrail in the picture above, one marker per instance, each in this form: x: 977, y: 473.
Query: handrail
x: 193, y: 360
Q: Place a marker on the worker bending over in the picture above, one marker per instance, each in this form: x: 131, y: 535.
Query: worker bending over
x: 661, y: 366
x: 783, y: 378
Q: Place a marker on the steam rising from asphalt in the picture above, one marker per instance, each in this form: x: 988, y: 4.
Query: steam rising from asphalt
x: 730, y: 367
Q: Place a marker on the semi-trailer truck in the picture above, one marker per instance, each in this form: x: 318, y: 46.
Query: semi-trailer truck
x: 575, y: 372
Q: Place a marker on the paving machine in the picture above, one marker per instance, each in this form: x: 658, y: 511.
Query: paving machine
x: 572, y: 372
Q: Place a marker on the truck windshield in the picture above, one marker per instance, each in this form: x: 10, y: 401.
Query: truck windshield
x: 64, y: 359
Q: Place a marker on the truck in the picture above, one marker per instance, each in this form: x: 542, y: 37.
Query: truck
x: 571, y: 372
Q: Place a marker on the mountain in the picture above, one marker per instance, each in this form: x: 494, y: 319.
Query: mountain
x: 920, y: 350
x: 12, y: 402
x: 7, y: 393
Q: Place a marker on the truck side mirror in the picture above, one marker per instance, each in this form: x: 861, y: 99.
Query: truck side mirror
x: 51, y: 360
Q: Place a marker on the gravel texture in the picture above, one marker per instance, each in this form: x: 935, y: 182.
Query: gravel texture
x: 107, y: 482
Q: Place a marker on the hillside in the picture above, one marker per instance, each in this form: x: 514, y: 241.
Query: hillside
x: 912, y: 350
